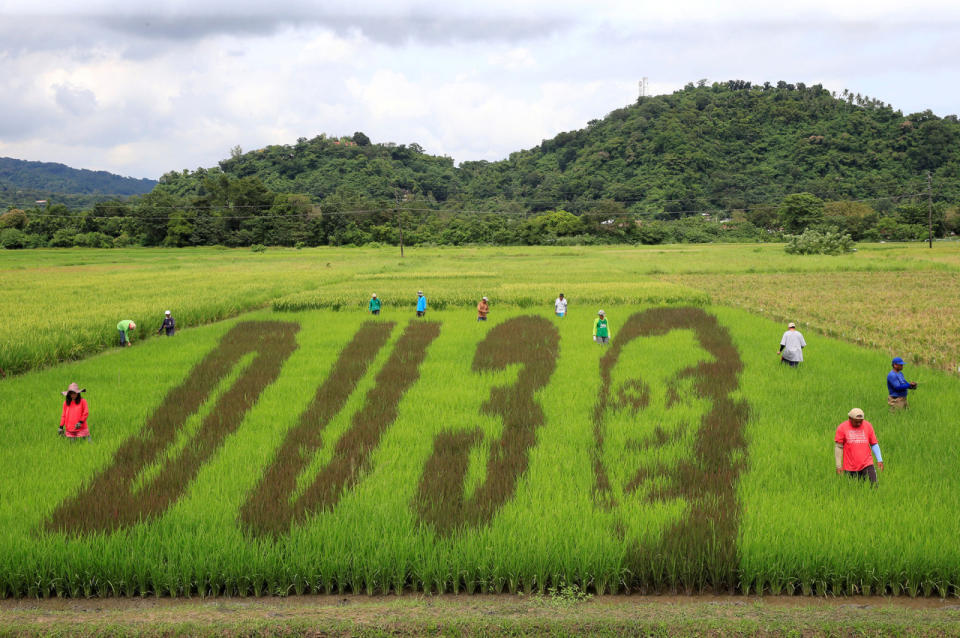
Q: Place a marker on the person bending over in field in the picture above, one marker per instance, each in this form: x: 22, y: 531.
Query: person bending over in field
x: 124, y: 327
x: 169, y: 325
x: 791, y: 346
x: 482, y: 309
x: 853, y: 444
x: 560, y: 306
x: 897, y: 386
x: 374, y: 304
x: 601, y: 331
x: 73, y: 420
x: 421, y: 304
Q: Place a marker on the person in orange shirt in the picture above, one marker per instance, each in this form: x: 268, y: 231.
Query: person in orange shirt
x: 855, y: 445
x: 73, y: 419
x: 482, y: 309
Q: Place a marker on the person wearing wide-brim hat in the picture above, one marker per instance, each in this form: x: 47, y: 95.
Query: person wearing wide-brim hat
x: 898, y: 386
x: 601, y: 330
x: 73, y: 420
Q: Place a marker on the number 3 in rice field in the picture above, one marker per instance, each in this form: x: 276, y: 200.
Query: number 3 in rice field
x: 533, y: 343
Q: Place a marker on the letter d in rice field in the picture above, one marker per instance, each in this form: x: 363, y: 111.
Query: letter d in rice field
x: 670, y: 446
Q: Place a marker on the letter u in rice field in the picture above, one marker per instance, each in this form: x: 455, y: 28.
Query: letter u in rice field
x: 670, y: 442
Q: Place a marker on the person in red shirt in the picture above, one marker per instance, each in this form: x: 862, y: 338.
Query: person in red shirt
x: 73, y: 420
x: 855, y: 445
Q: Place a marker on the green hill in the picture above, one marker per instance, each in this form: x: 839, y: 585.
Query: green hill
x: 23, y: 182
x: 723, y: 146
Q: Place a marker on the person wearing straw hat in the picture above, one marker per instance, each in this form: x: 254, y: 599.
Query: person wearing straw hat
x: 374, y: 305
x: 421, y: 304
x: 898, y: 386
x: 73, y: 419
x: 482, y: 309
x: 169, y: 324
x: 601, y: 331
x: 855, y: 445
x: 791, y: 346
x: 124, y: 327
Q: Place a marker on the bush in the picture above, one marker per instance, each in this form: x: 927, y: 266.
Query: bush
x: 63, y: 238
x: 11, y: 238
x: 258, y: 248
x: 299, y: 245
x: 813, y: 242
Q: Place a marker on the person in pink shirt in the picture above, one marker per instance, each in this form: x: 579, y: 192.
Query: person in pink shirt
x: 73, y: 420
x: 855, y: 445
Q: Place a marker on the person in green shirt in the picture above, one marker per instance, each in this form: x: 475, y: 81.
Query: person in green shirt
x: 374, y: 305
x: 123, y: 327
x: 601, y: 332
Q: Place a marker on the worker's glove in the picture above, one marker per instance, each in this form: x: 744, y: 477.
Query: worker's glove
x: 60, y: 430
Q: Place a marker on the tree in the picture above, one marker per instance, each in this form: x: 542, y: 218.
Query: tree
x: 361, y: 139
x: 800, y: 210
x: 14, y: 218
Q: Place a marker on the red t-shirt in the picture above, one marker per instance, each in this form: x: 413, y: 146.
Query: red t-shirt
x: 856, y: 445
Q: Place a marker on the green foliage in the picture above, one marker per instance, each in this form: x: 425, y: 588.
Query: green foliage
x: 14, y: 218
x: 813, y: 242
x: 799, y: 211
x: 258, y: 248
x: 13, y: 238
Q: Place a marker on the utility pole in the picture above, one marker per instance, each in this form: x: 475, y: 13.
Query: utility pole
x: 396, y: 211
x: 929, y: 210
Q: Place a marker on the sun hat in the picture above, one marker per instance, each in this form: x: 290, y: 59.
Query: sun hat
x: 600, y: 313
x: 855, y: 413
x: 897, y: 361
x: 419, y: 292
x: 485, y: 299
x: 374, y: 295
x: 791, y: 325
x: 73, y: 387
x: 166, y: 312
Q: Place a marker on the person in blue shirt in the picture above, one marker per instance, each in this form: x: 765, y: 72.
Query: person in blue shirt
x: 897, y: 386
x: 421, y: 304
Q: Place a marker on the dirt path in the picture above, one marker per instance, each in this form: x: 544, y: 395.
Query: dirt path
x: 486, y: 615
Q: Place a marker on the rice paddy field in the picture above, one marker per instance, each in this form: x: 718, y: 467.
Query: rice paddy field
x: 299, y: 445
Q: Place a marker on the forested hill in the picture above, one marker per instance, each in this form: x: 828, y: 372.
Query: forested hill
x: 721, y: 146
x: 23, y: 181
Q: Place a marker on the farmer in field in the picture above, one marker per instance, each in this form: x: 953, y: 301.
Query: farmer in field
x: 897, y: 386
x: 482, y: 309
x: 421, y: 304
x: 791, y: 346
x: 560, y: 306
x: 124, y: 327
x: 601, y: 331
x: 73, y: 420
x: 374, y: 304
x: 169, y: 325
x: 853, y: 444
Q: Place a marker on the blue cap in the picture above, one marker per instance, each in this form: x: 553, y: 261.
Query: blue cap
x: 897, y: 360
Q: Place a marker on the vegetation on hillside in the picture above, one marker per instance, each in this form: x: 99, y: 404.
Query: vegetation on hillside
x: 23, y: 182
x: 706, y: 163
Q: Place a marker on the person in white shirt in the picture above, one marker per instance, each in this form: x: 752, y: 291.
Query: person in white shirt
x: 560, y: 305
x: 791, y: 346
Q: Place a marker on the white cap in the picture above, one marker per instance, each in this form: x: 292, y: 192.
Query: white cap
x: 600, y: 313
x: 485, y: 299
x: 166, y: 312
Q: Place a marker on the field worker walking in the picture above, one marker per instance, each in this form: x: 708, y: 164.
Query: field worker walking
x: 897, y: 386
x: 374, y: 304
x: 123, y: 327
x: 169, y: 325
x: 560, y: 306
x: 73, y: 420
x: 482, y: 309
x: 601, y: 331
x: 791, y: 346
x: 421, y: 304
x: 853, y: 445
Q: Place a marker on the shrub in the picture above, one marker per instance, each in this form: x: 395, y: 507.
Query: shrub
x: 813, y: 242
x: 12, y: 238
x: 258, y: 248
x: 63, y: 238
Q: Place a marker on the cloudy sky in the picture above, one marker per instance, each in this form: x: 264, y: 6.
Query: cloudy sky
x: 141, y: 88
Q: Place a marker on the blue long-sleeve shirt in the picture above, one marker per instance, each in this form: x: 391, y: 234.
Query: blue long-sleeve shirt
x: 421, y: 304
x: 897, y: 386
